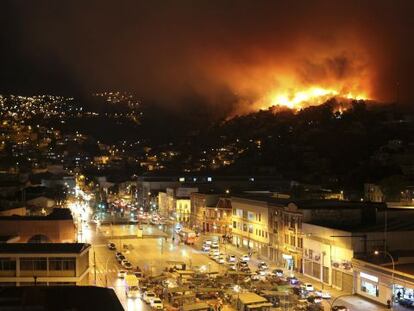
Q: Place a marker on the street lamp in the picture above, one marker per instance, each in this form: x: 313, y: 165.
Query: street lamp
x: 393, y: 270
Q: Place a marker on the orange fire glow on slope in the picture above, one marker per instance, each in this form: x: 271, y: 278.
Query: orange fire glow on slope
x: 311, y: 96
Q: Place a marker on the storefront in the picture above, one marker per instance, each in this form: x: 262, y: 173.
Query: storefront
x: 342, y: 275
x: 289, y: 263
x: 382, y: 284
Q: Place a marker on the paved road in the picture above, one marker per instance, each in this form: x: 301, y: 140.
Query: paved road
x: 150, y: 254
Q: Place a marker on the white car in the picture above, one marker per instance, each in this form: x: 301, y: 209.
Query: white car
x: 207, y: 242
x: 148, y: 296
x: 308, y: 287
x: 214, y: 245
x: 122, y: 274
x: 220, y: 259
x: 214, y: 252
x: 156, y: 303
x: 324, y: 295
x: 231, y: 258
x: 206, y: 247
x: 245, y: 258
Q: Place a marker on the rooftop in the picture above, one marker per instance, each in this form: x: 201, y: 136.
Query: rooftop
x: 392, y: 225
x: 56, y: 214
x: 43, y: 248
x: 80, y: 298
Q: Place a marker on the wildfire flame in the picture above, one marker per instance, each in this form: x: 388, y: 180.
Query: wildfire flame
x: 312, y: 96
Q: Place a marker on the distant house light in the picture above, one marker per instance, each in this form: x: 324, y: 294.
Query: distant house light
x: 251, y: 178
x: 194, y: 179
x: 181, y: 179
x: 209, y: 179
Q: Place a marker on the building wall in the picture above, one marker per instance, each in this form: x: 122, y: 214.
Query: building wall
x: 162, y: 204
x: 250, y: 225
x: 20, y: 276
x: 21, y: 211
x: 57, y: 231
x: 327, y: 255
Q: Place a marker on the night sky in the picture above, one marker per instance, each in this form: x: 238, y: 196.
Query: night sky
x: 224, y: 52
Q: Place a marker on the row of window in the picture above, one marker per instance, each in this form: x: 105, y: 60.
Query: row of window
x: 39, y: 264
x: 247, y: 215
x: 249, y: 228
x: 291, y: 240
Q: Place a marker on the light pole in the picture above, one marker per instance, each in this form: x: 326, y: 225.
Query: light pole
x: 393, y: 270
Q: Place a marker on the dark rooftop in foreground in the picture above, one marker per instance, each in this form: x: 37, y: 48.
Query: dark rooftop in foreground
x: 58, y: 248
x: 56, y: 298
x: 56, y: 214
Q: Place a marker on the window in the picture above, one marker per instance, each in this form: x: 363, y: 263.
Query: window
x: 234, y: 212
x: 292, y: 240
x: 369, y: 287
x: 286, y: 220
x: 260, y: 217
x: 250, y: 228
x: 234, y: 224
x: 239, y: 212
x: 33, y: 264
x: 286, y: 238
x: 250, y: 215
x: 266, y: 234
x: 245, y: 214
x: 300, y: 242
x: 61, y: 263
x: 7, y: 264
x: 244, y: 227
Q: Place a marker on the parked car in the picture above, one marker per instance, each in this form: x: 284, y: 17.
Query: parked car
x: 262, y: 266
x: 148, y: 296
x: 112, y: 246
x: 214, y: 245
x: 117, y: 254
x: 231, y: 258
x: 214, y: 252
x: 245, y: 258
x: 124, y: 261
x: 220, y: 259
x: 232, y: 266
x: 120, y: 259
x: 156, y: 303
x: 207, y: 242
x: 122, y: 274
x: 278, y: 272
x: 308, y: 287
x: 206, y: 247
x: 127, y: 265
x: 292, y: 280
x: 323, y: 295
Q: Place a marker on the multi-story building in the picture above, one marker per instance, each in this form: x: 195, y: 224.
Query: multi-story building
x: 179, y: 203
x: 250, y: 224
x: 210, y: 213
x: 44, y: 264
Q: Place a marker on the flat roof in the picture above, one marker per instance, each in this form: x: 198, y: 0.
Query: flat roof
x: 80, y: 298
x: 43, y: 248
x: 248, y: 298
x: 393, y: 225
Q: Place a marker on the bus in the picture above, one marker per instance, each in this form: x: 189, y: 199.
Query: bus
x: 187, y: 236
x: 131, y: 286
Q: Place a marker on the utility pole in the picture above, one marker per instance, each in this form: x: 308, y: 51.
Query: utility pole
x: 94, y: 265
